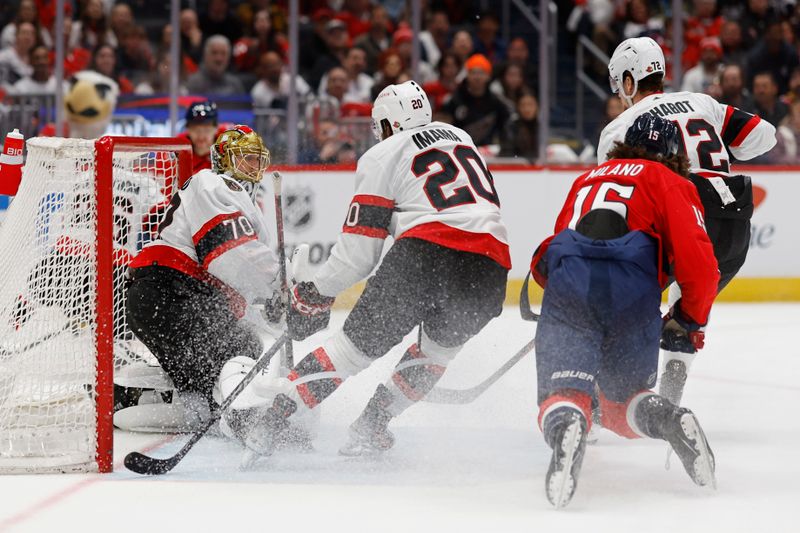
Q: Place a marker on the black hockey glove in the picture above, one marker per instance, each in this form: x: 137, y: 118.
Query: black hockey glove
x: 273, y: 309
x: 681, y: 334
x: 309, y: 312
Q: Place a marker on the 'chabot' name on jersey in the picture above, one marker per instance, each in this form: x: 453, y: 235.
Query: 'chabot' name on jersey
x: 707, y: 128
x: 213, y: 227
x: 428, y: 183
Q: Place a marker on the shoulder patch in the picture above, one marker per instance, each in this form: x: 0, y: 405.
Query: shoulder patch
x: 233, y: 185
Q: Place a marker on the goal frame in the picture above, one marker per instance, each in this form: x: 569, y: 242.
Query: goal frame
x: 104, y: 149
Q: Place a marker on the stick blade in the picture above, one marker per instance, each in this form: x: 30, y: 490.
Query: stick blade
x: 142, y: 464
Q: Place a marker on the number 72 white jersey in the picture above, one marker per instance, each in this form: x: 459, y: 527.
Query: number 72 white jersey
x: 709, y: 130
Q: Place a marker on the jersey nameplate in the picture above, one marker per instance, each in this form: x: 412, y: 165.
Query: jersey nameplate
x: 672, y: 108
x: 425, y: 138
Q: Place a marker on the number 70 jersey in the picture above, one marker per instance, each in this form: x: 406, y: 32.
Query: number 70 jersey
x: 428, y: 183
x: 708, y: 130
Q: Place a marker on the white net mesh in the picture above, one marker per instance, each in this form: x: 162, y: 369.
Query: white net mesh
x: 48, y: 273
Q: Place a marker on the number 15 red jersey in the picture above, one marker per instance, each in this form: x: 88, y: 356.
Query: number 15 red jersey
x: 660, y: 203
x: 428, y: 183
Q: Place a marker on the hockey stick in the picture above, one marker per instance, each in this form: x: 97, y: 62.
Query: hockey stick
x: 33, y: 344
x: 525, y: 302
x: 456, y: 396
x: 287, y: 352
x: 144, y: 464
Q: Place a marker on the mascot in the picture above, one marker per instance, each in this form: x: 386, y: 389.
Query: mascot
x: 89, y: 104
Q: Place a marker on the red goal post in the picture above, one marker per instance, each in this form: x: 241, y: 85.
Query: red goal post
x: 84, y: 208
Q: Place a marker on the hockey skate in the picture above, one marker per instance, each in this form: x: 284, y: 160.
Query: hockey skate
x: 565, y: 432
x: 689, y: 442
x: 268, y: 431
x: 673, y: 381
x: 369, y: 434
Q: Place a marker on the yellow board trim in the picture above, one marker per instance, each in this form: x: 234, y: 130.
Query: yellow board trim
x: 739, y: 290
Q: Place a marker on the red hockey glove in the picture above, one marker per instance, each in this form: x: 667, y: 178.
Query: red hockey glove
x: 310, y: 311
x: 681, y: 334
x: 307, y: 300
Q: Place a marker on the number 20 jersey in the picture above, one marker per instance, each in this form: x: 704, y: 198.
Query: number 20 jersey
x: 707, y: 127
x: 428, y: 183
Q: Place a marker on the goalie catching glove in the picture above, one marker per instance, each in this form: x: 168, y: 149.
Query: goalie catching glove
x: 309, y: 311
x: 680, y: 333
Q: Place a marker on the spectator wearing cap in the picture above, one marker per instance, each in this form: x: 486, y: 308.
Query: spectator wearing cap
x: 403, y: 42
x: 767, y: 104
x: 213, y: 76
x: 356, y: 14
x: 487, y: 39
x: 704, y: 22
x: 434, y: 38
x: 338, y: 42
x: 474, y: 108
x: 274, y: 83
x: 201, y: 130
x: 377, y: 39
x: 773, y: 54
x: 359, y: 84
x: 217, y: 19
x: 700, y: 77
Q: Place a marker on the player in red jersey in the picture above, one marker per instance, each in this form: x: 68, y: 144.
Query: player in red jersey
x: 711, y: 136
x: 603, y: 273
x: 426, y: 185
x: 201, y: 130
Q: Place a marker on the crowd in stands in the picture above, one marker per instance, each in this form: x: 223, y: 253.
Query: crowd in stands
x: 744, y: 53
x: 741, y: 52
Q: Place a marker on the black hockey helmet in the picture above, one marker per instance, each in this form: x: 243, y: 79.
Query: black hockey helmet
x: 204, y: 112
x: 654, y: 134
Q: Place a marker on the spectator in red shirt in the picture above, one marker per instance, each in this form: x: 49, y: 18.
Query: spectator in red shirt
x: 703, y: 23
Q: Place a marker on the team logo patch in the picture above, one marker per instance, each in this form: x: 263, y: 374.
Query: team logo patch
x: 298, y: 209
x: 232, y: 185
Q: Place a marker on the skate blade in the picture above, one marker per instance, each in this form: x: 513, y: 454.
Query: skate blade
x: 703, y: 465
x: 561, y: 485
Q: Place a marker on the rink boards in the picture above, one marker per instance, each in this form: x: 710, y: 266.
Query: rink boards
x: 316, y: 200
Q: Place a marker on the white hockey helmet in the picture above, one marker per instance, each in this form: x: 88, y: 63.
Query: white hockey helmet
x: 641, y: 57
x: 404, y: 106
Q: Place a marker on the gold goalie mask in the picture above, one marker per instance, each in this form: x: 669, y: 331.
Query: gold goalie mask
x: 240, y: 153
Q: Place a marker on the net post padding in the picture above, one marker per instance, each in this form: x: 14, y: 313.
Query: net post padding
x: 83, y: 209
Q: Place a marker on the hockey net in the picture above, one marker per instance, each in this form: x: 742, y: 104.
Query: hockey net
x: 83, y: 210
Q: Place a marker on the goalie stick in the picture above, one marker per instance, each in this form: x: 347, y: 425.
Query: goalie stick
x: 287, y: 352
x: 144, y: 464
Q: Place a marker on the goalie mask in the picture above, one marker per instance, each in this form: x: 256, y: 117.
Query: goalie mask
x: 240, y: 153
x: 403, y: 107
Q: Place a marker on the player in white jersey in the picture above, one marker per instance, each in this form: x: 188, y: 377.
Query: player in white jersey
x: 711, y: 133
x: 426, y: 185
x: 194, y: 292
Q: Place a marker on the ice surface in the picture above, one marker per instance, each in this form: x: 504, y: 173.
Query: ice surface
x: 476, y: 467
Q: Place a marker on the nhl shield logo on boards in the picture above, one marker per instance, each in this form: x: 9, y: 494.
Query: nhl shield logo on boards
x: 298, y: 209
